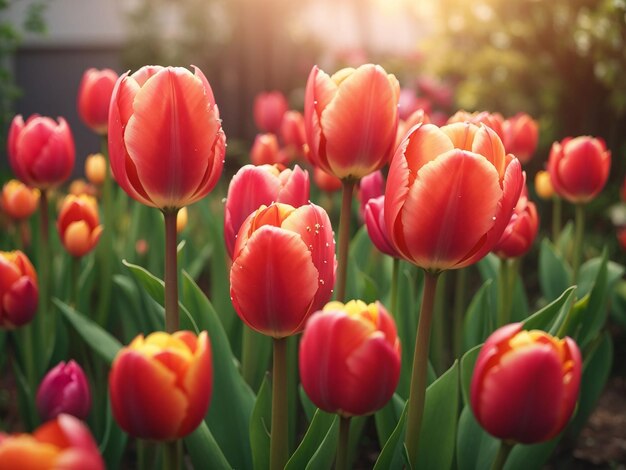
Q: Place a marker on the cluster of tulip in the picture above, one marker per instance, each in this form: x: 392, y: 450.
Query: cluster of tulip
x: 166, y: 149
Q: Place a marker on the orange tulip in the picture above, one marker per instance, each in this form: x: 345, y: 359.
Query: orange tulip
x: 351, y: 119
x: 79, y: 224
x: 450, y: 194
x: 166, y: 141
x: 96, y: 168
x: 160, y: 386
x: 492, y: 120
x: 63, y: 443
x: 269, y: 109
x: 18, y: 289
x: 94, y: 97
x: 293, y: 134
x: 350, y: 358
x: 519, y: 235
x: 521, y: 134
x: 80, y: 187
x: 18, y: 201
x: 376, y: 226
x: 283, y: 267
x: 543, y: 185
x: 265, y: 151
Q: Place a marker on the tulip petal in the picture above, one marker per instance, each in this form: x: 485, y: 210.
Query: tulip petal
x: 273, y: 282
x: 25, y: 452
x: 443, y: 223
x: 197, y: 384
x: 20, y: 302
x: 425, y: 144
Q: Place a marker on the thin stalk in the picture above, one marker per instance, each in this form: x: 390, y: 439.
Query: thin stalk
x: 395, y: 273
x: 171, y: 272
x: 579, y: 234
x: 556, y: 219
x: 44, y: 326
x: 502, y: 455
x: 252, y: 359
x: 279, y: 451
x: 460, y: 289
x: 505, y: 294
x: 29, y: 356
x: 342, y: 447
x: 74, y: 270
x: 106, y: 244
x: 171, y: 455
x: 344, y: 237
x: 417, y: 392
x: 438, y: 329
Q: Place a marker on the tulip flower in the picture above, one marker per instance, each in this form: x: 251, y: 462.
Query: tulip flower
x: 543, y: 185
x: 409, y: 102
x: 404, y: 126
x: 579, y: 168
x: 160, y: 386
x: 525, y: 384
x: 166, y: 141
x: 293, y: 134
x: 18, y: 289
x: 370, y: 187
x: 520, y: 136
x: 79, y: 225
x: 96, y: 168
x: 41, y: 151
x: 492, y: 120
x: 351, y: 119
x: 64, y: 389
x: 254, y: 186
x: 376, y: 226
x: 325, y: 181
x: 63, y: 443
x: 18, y: 201
x: 283, y: 267
x: 181, y: 220
x: 94, y: 98
x: 350, y: 358
x: 269, y: 109
x: 265, y: 151
x: 520, y: 233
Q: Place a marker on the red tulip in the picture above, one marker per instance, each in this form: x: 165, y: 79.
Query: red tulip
x: 265, y: 151
x: 63, y: 443
x: 94, y: 98
x: 377, y: 228
x: 351, y: 119
x: 283, y: 267
x: 370, y: 187
x: 18, y: 201
x: 525, y: 384
x: 325, y: 181
x: 254, y: 186
x: 492, y: 120
x: 160, y: 386
x: 579, y: 168
x: 521, y: 134
x: 269, y: 109
x: 450, y: 194
x: 166, y: 141
x: 18, y: 289
x: 350, y: 358
x: 520, y: 233
x: 41, y: 152
x: 64, y: 389
x: 293, y: 134
x: 404, y: 126
x: 79, y: 225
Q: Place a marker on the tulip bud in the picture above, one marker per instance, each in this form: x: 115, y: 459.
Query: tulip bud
x: 18, y: 289
x: 520, y: 233
x: 181, y: 219
x: 579, y: 168
x: 293, y: 134
x: 265, y: 151
x: 62, y: 443
x: 325, y: 181
x: 491, y: 120
x: 79, y: 224
x: 283, y: 267
x: 269, y: 109
x: 94, y: 98
x: 521, y: 134
x: 350, y: 358
x: 96, y: 168
x: 543, y: 185
x: 376, y: 227
x: 160, y: 386
x: 370, y: 187
x: 19, y: 201
x: 41, y: 151
x: 254, y: 186
x: 64, y: 389
x: 80, y: 187
x: 525, y: 384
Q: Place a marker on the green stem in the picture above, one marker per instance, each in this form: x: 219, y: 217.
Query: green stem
x: 29, y: 357
x: 579, y: 232
x: 395, y: 273
x: 44, y: 253
x: 344, y: 237
x: 171, y: 272
x: 255, y: 356
x: 171, y: 455
x: 505, y: 296
x: 74, y: 269
x: 502, y: 455
x: 279, y: 451
x: 460, y: 289
x: 417, y: 392
x: 437, y: 342
x: 106, y: 244
x: 342, y: 447
x: 556, y: 219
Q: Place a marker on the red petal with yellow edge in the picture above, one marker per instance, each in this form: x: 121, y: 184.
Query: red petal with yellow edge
x: 360, y: 123
x: 170, y: 136
x: 25, y: 452
x: 144, y: 398
x: 273, y: 282
x: 198, y: 385
x: 450, y: 207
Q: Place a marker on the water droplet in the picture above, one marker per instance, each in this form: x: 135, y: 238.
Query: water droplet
x: 318, y: 226
x: 308, y: 229
x: 325, y: 262
x: 327, y: 244
x: 322, y: 281
x: 223, y: 200
x: 332, y: 290
x: 493, y: 218
x: 314, y: 101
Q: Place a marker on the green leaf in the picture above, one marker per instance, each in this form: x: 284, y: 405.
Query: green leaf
x: 467, y: 369
x: 391, y: 456
x: 317, y: 435
x: 554, y: 274
x: 204, y: 450
x: 105, y: 345
x: 153, y: 285
x: 113, y: 441
x: 479, y: 321
x: 475, y: 448
x: 437, y: 435
x: 552, y: 313
x: 260, y: 424
x: 387, y: 418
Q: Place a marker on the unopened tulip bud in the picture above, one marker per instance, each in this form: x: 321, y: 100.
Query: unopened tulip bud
x: 269, y: 109
x: 96, y: 168
x: 181, y: 219
x: 79, y: 224
x: 543, y: 185
x: 19, y: 201
x: 94, y: 97
x: 18, y: 289
x: 64, y: 389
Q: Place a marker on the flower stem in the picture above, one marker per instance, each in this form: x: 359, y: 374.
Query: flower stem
x: 344, y: 237
x: 75, y: 265
x: 579, y: 233
x: 505, y: 294
x: 417, y: 394
x: 344, y: 439
x: 502, y: 455
x: 171, y: 272
x: 556, y: 219
x: 171, y: 455
x: 460, y: 288
x: 106, y: 244
x: 44, y: 252
x: 279, y: 451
